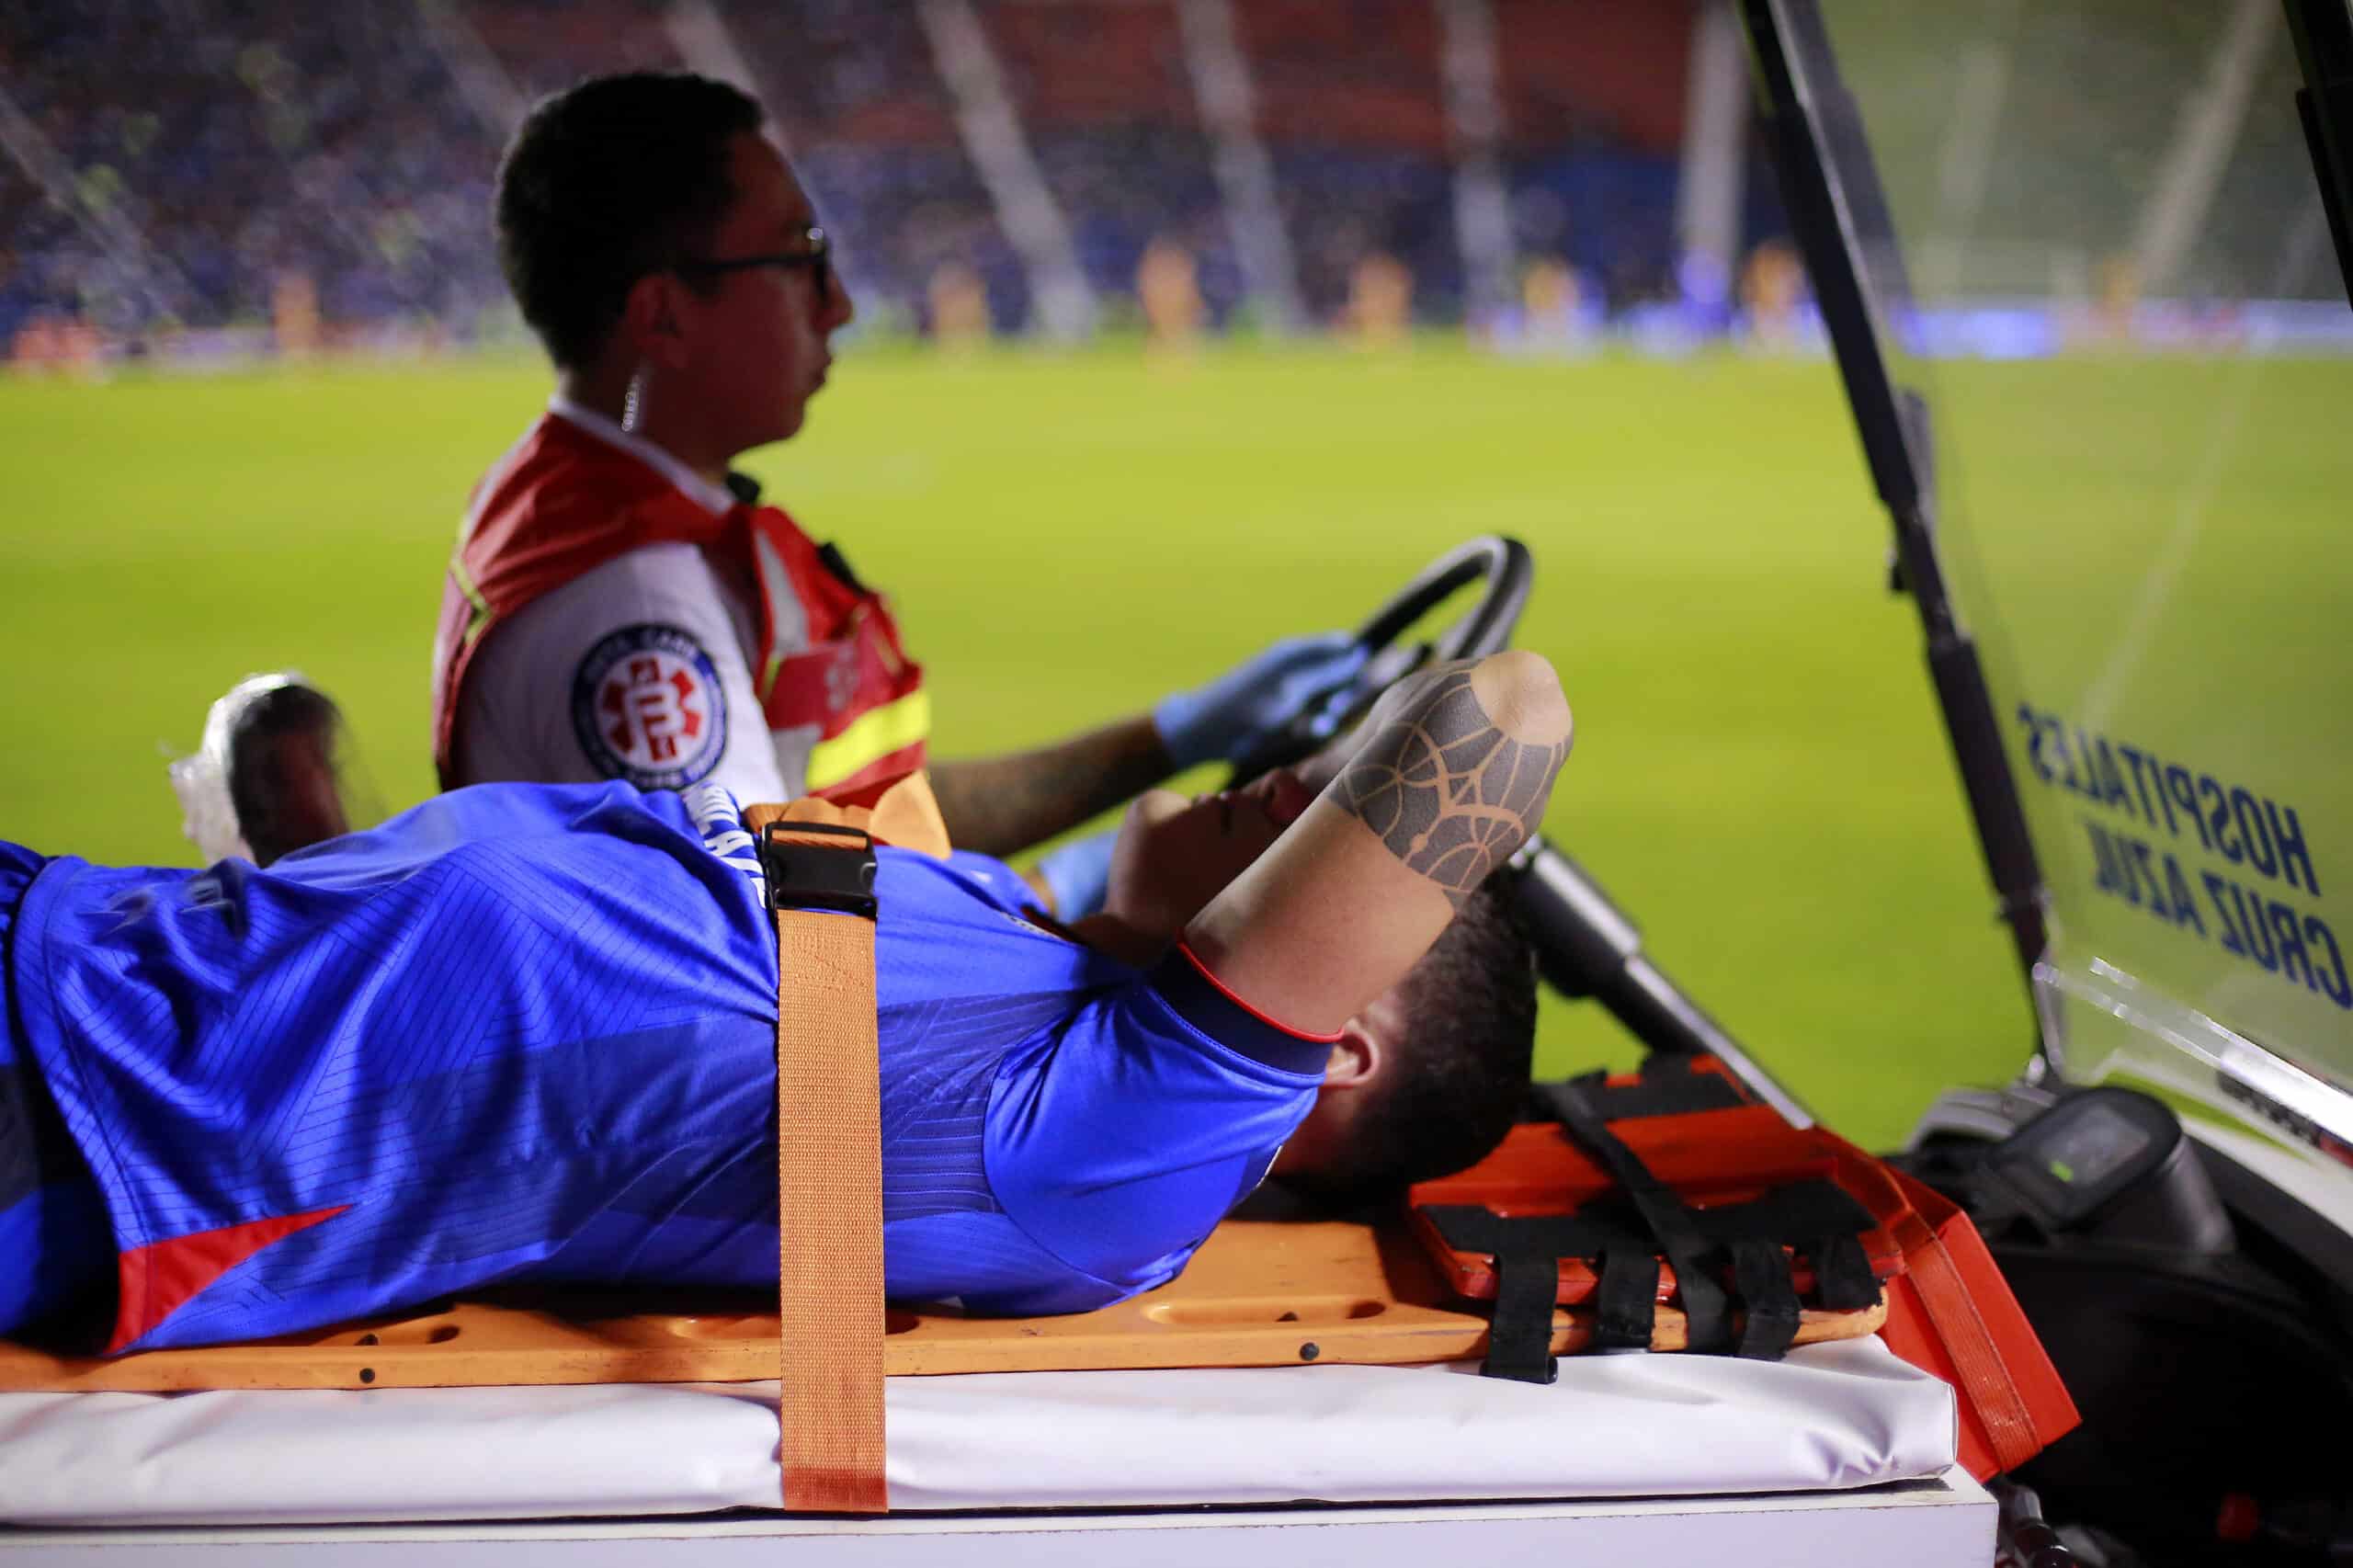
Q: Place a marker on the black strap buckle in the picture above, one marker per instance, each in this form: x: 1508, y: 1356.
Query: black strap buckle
x: 818, y: 876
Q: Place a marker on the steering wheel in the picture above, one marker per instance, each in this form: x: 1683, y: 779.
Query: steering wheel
x: 1508, y: 572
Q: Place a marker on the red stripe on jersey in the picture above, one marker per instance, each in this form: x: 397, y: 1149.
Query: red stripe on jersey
x: 159, y: 1278
x: 1223, y: 990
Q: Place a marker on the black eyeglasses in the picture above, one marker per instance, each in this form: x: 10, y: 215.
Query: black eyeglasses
x: 817, y: 257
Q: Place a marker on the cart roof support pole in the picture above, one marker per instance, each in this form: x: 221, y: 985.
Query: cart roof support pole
x: 1839, y: 214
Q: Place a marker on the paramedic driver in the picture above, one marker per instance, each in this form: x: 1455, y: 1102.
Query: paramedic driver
x: 526, y: 1032
x: 620, y: 607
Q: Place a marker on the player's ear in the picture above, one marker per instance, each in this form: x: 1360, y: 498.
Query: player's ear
x: 652, y: 319
x: 1362, y: 1052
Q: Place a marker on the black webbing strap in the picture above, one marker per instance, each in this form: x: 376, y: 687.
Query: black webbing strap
x: 1760, y: 1271
x: 1666, y: 1087
x: 1528, y: 1251
x: 1842, y: 1275
x: 1626, y: 1304
x: 1624, y: 1234
x: 1707, y: 1311
x: 1469, y: 1227
x: 1519, y: 1341
x: 1818, y: 1218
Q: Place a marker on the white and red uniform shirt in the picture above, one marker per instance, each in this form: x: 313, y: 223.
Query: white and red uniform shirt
x: 610, y: 614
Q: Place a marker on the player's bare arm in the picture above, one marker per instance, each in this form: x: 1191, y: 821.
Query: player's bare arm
x: 1001, y: 805
x: 1450, y: 776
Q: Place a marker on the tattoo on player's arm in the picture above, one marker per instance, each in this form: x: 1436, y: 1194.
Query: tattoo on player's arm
x: 1447, y: 791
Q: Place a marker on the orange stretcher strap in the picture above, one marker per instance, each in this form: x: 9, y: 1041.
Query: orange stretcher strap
x: 829, y: 1181
x: 1984, y: 1376
x: 904, y: 815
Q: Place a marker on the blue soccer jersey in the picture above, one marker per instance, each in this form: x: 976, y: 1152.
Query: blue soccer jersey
x: 527, y: 1033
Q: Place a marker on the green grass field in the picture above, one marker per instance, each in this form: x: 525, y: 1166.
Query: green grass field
x: 1760, y: 777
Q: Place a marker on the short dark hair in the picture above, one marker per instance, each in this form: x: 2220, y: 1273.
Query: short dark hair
x: 1469, y: 1007
x: 609, y: 180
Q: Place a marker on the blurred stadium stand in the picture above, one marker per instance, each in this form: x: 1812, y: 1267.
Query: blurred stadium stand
x: 297, y: 142
x: 546, y: 45
x: 274, y: 174
x: 1110, y: 111
x: 1593, y: 115
x: 853, y: 90
x: 1349, y: 101
x: 248, y: 144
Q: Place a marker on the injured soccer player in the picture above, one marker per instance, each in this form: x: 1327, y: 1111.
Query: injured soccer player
x: 527, y: 1033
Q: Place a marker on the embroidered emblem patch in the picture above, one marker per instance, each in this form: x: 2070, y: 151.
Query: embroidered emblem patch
x: 647, y: 708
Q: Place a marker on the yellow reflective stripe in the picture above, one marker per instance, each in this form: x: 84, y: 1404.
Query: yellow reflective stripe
x: 872, y: 735
x: 480, y: 620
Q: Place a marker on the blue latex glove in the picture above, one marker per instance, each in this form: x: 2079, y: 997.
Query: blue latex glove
x: 1078, y: 874
x: 1231, y: 715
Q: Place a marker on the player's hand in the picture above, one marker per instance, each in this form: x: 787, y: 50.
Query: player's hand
x: 1230, y: 716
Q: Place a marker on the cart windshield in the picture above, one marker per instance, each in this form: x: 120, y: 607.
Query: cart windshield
x: 2098, y: 248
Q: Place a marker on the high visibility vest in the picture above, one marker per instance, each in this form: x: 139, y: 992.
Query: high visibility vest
x: 564, y: 502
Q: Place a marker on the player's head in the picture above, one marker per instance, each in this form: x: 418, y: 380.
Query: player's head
x: 620, y: 203
x: 1427, y: 1078
x: 284, y: 773
x: 1175, y: 854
